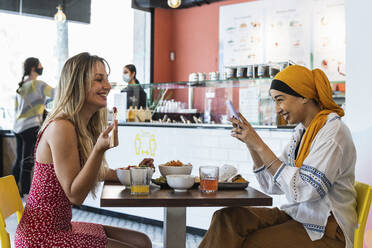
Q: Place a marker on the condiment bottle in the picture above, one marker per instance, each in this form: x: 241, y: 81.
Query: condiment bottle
x: 148, y: 115
x: 131, y: 115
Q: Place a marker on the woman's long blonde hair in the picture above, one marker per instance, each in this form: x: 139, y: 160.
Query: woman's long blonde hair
x: 73, y: 88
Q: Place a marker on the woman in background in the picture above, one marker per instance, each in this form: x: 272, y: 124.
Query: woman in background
x: 136, y: 96
x: 29, y: 108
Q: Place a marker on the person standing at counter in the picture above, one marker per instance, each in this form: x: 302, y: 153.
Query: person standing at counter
x: 136, y: 96
x: 29, y: 108
x: 316, y: 173
x: 69, y: 162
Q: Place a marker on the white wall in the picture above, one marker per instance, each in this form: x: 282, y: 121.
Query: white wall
x: 359, y: 89
x: 359, y: 82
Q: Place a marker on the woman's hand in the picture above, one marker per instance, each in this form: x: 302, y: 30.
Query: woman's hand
x: 104, y: 140
x: 243, y: 131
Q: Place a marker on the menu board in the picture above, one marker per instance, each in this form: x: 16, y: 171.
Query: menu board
x: 307, y: 32
x: 287, y: 32
x: 241, y: 34
x: 329, y: 38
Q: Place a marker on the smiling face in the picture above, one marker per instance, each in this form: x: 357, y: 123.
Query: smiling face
x: 100, y: 87
x: 292, y: 108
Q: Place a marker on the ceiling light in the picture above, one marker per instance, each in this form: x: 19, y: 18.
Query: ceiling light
x: 60, y: 16
x: 174, y: 3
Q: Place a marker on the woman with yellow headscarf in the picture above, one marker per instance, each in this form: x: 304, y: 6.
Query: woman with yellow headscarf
x: 315, y: 173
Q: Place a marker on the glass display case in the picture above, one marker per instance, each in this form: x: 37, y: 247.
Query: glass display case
x: 204, y: 102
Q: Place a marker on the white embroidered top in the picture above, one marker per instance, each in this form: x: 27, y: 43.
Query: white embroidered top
x: 324, y: 183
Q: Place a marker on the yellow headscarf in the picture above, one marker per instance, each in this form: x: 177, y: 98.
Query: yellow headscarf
x: 314, y: 85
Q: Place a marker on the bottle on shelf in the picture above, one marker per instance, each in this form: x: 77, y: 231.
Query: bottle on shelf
x: 131, y: 114
x: 148, y: 115
x: 136, y: 119
x: 141, y: 115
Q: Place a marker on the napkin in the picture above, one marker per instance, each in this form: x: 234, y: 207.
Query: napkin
x: 227, y: 171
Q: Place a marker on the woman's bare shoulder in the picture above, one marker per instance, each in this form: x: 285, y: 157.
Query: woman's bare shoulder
x: 61, y: 130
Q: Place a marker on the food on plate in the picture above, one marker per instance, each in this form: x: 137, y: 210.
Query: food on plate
x: 175, y: 163
x: 160, y: 180
x: 237, y: 179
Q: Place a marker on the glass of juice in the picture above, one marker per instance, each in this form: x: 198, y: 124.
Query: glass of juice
x: 208, y: 178
x: 139, y: 181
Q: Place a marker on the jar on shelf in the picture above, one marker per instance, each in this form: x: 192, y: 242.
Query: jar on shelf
x: 201, y: 76
x: 230, y: 72
x: 213, y: 75
x: 263, y: 70
x: 250, y: 71
x: 193, y: 77
x: 273, y: 70
x: 241, y: 72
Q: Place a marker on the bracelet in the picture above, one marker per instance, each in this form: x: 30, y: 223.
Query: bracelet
x: 271, y: 163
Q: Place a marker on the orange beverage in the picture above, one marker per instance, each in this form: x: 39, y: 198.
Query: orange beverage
x: 208, y: 178
x: 139, y: 181
x: 139, y: 189
x: 209, y: 185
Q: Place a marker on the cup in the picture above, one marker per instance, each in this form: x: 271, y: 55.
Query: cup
x: 139, y: 180
x: 208, y: 178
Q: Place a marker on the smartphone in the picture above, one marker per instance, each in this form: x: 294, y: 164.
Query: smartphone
x: 232, y: 110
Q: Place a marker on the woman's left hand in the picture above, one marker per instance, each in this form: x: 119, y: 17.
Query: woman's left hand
x: 243, y: 131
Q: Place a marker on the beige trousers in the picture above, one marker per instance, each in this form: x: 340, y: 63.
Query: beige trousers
x: 248, y: 227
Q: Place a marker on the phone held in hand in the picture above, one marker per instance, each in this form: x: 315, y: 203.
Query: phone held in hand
x: 232, y: 110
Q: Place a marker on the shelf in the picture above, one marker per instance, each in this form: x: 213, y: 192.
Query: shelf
x: 229, y: 83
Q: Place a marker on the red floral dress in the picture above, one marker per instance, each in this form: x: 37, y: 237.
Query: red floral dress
x: 46, y: 220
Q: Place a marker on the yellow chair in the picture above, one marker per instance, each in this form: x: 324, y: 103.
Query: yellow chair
x: 364, y: 197
x: 10, y: 202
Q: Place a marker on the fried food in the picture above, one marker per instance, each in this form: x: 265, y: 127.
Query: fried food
x: 174, y: 163
x: 238, y: 179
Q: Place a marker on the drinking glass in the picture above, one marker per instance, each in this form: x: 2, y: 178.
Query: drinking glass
x: 139, y: 180
x: 208, y: 178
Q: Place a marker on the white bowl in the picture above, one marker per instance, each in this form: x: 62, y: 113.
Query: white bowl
x: 124, y: 176
x: 175, y: 170
x: 180, y: 183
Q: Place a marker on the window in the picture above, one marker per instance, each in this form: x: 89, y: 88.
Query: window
x: 115, y: 32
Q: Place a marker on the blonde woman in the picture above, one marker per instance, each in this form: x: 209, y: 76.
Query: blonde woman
x: 69, y: 161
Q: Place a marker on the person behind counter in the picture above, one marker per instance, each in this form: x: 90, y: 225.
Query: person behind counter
x: 29, y: 109
x: 136, y: 96
x: 316, y: 173
x: 69, y: 162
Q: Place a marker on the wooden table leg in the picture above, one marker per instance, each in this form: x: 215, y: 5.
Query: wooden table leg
x: 174, y: 227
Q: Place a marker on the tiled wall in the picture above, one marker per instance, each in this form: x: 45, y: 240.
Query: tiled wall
x: 199, y: 146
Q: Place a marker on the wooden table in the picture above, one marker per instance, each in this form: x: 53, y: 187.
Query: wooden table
x: 175, y: 203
